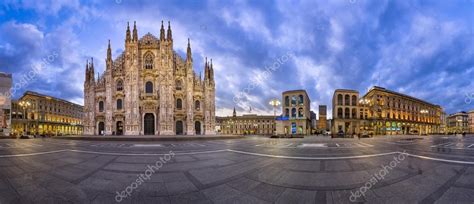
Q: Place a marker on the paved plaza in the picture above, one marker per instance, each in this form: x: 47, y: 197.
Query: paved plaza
x: 254, y: 169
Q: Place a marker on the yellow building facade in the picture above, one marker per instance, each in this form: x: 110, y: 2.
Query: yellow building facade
x: 247, y: 124
x: 38, y: 114
x: 386, y: 112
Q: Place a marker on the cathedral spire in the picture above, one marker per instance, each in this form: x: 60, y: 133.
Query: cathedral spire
x: 211, y: 72
x: 188, y: 53
x: 135, y: 33
x: 109, y: 53
x: 234, y: 113
x: 169, y: 35
x: 91, y: 67
x: 87, y: 70
x: 162, y: 32
x: 206, y: 71
x: 127, y: 36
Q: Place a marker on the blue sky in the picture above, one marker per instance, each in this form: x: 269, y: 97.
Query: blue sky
x: 421, y: 48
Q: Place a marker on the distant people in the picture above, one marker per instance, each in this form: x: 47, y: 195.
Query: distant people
x: 463, y: 134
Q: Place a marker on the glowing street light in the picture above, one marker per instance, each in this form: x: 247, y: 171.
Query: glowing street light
x: 423, y: 112
x: 25, y: 105
x: 275, y: 103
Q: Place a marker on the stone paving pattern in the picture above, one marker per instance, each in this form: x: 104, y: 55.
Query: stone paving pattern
x: 231, y: 177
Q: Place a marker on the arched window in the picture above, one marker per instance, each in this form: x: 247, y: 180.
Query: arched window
x: 293, y: 112
x: 354, y: 113
x: 197, y: 105
x: 287, y: 101
x: 179, y: 104
x: 287, y: 112
x: 293, y: 100
x: 300, y: 112
x: 179, y: 85
x: 347, y: 113
x: 148, y: 61
x: 339, y: 99
x: 149, y: 87
x: 301, y: 99
x: 101, y: 106
x: 339, y: 112
x: 119, y: 104
x: 354, y: 100
x: 119, y: 85
x: 347, y: 100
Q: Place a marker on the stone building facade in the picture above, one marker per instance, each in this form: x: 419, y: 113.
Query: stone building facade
x: 296, y: 118
x: 345, y: 112
x: 5, y: 104
x: 471, y: 121
x: 149, y: 90
x: 322, y: 122
x: 388, y: 112
x: 39, y: 114
x: 383, y: 112
x: 458, y: 123
x: 247, y: 124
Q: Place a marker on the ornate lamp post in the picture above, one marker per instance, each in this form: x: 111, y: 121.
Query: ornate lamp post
x: 275, y: 103
x: 25, y: 105
x: 422, y: 112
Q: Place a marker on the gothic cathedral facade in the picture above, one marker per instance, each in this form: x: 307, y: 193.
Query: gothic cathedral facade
x: 149, y: 90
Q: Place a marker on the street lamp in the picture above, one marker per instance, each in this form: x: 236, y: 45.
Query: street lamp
x: 423, y: 112
x: 25, y: 105
x: 275, y: 103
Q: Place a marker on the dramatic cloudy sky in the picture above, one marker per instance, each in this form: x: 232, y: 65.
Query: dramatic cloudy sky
x: 421, y: 48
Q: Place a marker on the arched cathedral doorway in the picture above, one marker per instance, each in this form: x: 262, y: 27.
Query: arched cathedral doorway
x: 149, y: 124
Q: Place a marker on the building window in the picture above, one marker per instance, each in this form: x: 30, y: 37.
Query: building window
x: 354, y: 113
x: 119, y: 85
x: 119, y: 104
x: 101, y: 106
x: 300, y: 112
x: 179, y: 104
x: 293, y: 112
x: 354, y: 100
x: 301, y: 99
x: 347, y: 113
x: 339, y: 99
x: 179, y: 85
x: 148, y: 61
x: 287, y: 112
x: 287, y: 101
x: 149, y: 87
x: 293, y: 100
x: 197, y: 105
x: 347, y: 99
x: 339, y: 112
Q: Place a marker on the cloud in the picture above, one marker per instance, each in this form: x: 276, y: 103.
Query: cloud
x: 424, y: 49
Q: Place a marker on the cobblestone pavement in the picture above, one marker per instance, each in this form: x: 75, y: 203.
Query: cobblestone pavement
x: 255, y: 169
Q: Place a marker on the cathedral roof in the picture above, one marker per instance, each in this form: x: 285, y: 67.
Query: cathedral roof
x: 149, y: 39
